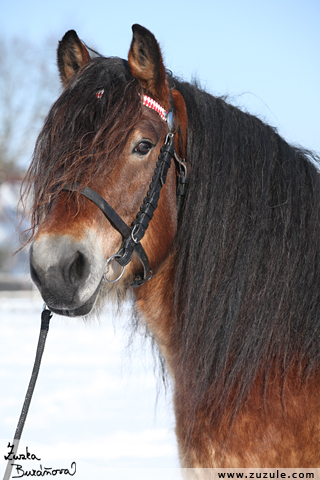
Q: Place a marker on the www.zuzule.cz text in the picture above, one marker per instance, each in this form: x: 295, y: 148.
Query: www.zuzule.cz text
x: 19, y: 471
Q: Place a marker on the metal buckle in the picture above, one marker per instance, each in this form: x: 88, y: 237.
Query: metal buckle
x: 105, y: 274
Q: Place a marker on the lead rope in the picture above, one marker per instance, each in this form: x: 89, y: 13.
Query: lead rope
x: 45, y: 320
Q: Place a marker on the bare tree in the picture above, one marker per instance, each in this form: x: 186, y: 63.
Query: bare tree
x: 28, y: 85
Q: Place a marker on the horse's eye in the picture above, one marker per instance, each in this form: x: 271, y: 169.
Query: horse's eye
x: 143, y: 148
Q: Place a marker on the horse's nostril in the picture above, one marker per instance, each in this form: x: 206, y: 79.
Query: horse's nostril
x: 79, y: 269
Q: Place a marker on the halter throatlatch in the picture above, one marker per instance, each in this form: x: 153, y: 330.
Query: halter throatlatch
x: 134, y: 234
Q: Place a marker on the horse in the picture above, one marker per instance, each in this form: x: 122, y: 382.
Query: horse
x: 147, y: 186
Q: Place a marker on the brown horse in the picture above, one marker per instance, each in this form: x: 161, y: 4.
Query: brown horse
x: 212, y: 225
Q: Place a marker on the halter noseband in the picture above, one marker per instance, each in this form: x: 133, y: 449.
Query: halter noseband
x: 134, y: 234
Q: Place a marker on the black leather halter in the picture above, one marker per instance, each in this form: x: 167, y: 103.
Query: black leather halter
x: 134, y: 234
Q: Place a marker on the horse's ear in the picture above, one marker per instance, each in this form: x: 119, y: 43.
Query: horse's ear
x: 72, y: 55
x: 146, y: 65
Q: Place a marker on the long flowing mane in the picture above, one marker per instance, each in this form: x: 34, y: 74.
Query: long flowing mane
x: 248, y: 275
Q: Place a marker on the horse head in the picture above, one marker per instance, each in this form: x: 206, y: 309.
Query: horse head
x: 101, y: 134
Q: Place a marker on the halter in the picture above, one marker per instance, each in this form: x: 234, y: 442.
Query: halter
x: 134, y: 234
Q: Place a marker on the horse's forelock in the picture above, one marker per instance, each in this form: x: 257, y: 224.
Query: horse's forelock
x: 85, y: 131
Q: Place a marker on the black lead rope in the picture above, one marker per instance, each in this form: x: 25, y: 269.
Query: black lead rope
x: 45, y: 320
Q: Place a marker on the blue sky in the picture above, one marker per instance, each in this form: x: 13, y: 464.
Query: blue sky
x: 263, y: 54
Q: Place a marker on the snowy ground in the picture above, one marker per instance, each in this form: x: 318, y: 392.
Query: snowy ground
x: 95, y: 403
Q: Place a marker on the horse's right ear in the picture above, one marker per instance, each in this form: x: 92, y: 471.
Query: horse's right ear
x: 72, y: 55
x: 146, y: 64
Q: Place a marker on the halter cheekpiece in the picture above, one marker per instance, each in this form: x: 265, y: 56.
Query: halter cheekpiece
x: 134, y: 234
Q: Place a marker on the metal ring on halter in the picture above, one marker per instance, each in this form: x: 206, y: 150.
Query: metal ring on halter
x: 169, y: 137
x: 135, y: 228
x: 105, y: 274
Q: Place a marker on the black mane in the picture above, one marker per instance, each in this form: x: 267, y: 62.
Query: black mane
x: 247, y: 283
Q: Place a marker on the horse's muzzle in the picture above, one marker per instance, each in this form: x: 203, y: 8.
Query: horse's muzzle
x: 67, y: 273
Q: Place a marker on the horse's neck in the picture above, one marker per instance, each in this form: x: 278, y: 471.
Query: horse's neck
x: 154, y: 302
x: 295, y: 413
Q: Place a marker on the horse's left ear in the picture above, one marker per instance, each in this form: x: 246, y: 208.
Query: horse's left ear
x: 146, y: 65
x: 72, y: 55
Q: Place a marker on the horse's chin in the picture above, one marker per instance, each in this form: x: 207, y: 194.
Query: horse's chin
x: 77, y: 312
x: 80, y: 311
x: 116, y: 294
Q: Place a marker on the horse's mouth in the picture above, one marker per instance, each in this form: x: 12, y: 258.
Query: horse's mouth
x: 81, y: 311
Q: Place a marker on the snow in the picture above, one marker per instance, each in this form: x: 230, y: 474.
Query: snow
x: 95, y: 402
